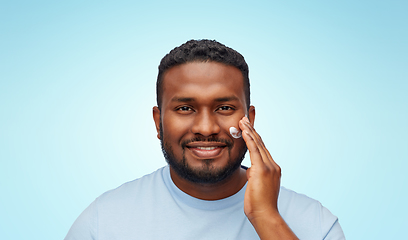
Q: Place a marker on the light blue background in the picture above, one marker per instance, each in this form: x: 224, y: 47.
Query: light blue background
x: 329, y: 82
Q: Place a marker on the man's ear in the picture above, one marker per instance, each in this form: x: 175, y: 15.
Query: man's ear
x: 251, y: 115
x: 156, y: 118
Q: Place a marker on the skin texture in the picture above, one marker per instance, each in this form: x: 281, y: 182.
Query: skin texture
x: 202, y: 100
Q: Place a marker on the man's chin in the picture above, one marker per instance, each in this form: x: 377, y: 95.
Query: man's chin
x: 203, y: 175
x: 207, y: 172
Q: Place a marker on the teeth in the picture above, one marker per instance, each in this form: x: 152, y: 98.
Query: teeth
x: 207, y: 148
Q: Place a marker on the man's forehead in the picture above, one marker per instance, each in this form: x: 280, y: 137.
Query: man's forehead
x: 210, y: 68
x: 203, y: 81
x: 203, y: 73
x: 194, y: 99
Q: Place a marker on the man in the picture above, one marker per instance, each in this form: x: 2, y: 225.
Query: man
x: 204, y: 121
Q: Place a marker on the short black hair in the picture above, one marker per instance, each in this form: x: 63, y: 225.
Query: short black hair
x: 202, y: 51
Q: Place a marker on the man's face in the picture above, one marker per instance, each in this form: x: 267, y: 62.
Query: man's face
x: 200, y: 102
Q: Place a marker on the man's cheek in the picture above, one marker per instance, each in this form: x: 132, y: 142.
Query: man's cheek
x: 235, y: 133
x: 231, y: 127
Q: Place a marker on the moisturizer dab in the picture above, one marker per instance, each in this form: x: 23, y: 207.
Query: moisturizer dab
x: 235, y: 133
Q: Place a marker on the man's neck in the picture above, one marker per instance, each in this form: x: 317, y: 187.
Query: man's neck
x: 214, y: 191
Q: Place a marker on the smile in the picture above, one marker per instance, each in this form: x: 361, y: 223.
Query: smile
x: 206, y: 150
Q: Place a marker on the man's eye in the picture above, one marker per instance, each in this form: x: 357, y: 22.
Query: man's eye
x: 225, y: 108
x: 184, y: 109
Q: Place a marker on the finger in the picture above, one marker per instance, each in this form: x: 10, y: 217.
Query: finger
x: 249, y: 125
x: 255, y: 136
x: 254, y: 153
x: 258, y: 138
x: 259, y: 141
x: 257, y: 145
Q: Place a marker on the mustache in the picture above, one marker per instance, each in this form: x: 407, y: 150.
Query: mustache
x: 227, y: 142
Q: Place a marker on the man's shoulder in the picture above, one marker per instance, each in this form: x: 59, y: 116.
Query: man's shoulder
x: 289, y: 197
x: 291, y: 202
x: 135, y: 188
x: 131, y: 199
x: 304, y: 212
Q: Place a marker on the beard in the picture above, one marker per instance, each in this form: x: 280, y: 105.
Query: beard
x: 207, y: 173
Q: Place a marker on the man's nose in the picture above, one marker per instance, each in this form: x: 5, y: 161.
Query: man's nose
x: 205, y: 123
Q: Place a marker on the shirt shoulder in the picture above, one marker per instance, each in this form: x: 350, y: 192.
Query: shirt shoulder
x: 113, y: 205
x: 307, y: 217
x: 133, y: 189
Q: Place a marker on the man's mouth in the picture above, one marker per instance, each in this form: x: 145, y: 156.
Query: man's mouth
x: 206, y: 150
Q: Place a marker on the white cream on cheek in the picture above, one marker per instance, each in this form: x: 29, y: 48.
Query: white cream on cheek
x: 235, y: 133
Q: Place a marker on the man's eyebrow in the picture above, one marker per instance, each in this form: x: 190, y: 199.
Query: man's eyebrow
x: 182, y: 99
x: 226, y: 99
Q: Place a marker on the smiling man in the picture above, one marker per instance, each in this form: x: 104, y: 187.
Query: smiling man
x: 204, y: 192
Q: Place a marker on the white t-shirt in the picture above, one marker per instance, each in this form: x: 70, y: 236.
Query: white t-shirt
x: 152, y: 207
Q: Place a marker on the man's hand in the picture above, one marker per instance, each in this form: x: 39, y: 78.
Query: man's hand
x: 261, y: 196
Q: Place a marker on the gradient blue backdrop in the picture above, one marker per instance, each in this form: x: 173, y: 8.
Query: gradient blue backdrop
x: 329, y: 82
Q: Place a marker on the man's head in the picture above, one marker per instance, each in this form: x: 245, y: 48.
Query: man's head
x: 202, y: 51
x: 202, y: 93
